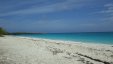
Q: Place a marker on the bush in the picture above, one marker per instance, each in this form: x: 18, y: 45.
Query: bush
x: 2, y: 32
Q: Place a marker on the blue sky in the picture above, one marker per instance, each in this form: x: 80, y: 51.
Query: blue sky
x: 56, y: 15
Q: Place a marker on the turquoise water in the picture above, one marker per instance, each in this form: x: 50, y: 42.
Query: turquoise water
x: 96, y: 37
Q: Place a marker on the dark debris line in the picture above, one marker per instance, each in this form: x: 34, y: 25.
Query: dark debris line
x: 93, y: 58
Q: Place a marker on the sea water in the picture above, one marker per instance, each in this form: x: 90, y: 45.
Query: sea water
x: 88, y: 37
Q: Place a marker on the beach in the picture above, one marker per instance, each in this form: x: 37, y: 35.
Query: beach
x: 26, y: 50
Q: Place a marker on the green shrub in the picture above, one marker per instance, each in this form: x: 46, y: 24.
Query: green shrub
x: 2, y: 32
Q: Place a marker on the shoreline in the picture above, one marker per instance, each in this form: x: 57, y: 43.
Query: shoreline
x: 64, y: 41
x: 26, y: 50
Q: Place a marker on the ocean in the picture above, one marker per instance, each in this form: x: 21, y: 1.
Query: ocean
x: 87, y: 37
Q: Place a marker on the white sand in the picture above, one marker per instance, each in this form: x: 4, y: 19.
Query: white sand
x: 21, y: 50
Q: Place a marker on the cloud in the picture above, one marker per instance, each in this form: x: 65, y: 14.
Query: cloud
x: 108, y: 11
x: 108, y: 5
x: 109, y: 8
x: 54, y: 7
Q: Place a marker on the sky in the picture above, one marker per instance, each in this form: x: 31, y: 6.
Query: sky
x: 56, y: 16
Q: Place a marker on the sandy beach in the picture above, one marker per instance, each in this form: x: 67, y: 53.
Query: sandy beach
x: 22, y: 50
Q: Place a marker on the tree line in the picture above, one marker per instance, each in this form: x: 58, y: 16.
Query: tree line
x: 3, y: 32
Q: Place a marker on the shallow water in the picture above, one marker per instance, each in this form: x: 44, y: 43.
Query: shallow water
x: 89, y: 37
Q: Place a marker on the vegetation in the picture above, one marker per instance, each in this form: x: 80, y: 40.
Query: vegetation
x: 3, y: 32
x: 19, y: 33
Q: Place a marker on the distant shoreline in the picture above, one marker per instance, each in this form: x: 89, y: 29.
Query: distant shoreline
x: 23, y: 33
x: 55, y: 33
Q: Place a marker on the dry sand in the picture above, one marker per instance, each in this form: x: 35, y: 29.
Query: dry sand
x: 21, y: 50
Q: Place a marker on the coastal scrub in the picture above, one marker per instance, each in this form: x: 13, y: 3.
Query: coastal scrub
x: 2, y: 32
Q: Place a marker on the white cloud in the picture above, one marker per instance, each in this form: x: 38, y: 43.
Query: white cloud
x: 108, y: 11
x: 108, y: 5
x: 60, y: 6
